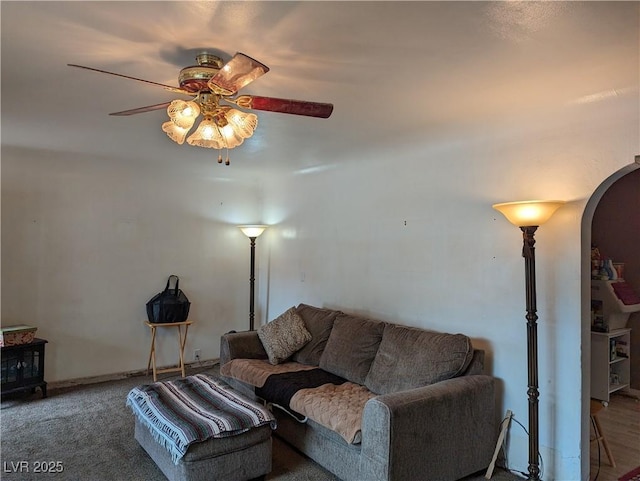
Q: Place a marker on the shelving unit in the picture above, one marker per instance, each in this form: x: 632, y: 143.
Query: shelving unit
x: 610, y: 363
x: 608, y: 311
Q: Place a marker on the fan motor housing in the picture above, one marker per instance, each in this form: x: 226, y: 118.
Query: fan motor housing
x: 195, y: 78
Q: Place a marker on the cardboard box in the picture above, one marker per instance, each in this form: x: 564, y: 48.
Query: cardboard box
x: 16, y: 335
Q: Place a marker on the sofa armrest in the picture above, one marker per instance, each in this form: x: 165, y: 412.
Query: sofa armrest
x: 241, y: 345
x: 415, y: 434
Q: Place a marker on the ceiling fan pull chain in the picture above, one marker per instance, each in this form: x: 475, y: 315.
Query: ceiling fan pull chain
x: 219, y: 156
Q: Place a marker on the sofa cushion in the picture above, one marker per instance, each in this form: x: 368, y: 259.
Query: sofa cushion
x: 318, y: 322
x: 256, y: 371
x: 283, y: 336
x: 351, y: 347
x: 338, y: 407
x: 409, y: 357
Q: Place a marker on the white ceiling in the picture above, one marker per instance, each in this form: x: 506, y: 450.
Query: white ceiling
x: 397, y: 72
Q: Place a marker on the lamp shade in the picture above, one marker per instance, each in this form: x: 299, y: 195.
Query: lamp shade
x: 239, y: 126
x: 252, y: 230
x: 529, y: 212
x: 225, y: 130
x: 182, y: 113
x: 207, y: 135
x: 175, y: 133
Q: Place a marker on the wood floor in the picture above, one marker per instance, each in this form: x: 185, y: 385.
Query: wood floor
x: 620, y: 422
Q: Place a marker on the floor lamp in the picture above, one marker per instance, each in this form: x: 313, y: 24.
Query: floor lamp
x: 529, y: 215
x: 252, y: 232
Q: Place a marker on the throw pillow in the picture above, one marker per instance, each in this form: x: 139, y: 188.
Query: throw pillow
x: 283, y: 336
x: 409, y: 357
x: 351, y: 347
x: 319, y: 323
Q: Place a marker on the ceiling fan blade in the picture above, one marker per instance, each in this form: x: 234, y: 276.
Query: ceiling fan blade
x: 285, y: 106
x: 166, y: 87
x: 140, y: 110
x: 238, y: 72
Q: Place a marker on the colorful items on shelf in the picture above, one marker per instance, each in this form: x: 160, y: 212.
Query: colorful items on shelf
x: 603, y: 268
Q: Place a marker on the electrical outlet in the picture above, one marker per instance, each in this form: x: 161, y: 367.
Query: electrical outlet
x: 196, y: 355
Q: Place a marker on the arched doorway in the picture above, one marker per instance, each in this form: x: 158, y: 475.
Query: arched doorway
x: 587, y: 221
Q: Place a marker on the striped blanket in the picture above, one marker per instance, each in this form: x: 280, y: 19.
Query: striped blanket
x: 194, y: 409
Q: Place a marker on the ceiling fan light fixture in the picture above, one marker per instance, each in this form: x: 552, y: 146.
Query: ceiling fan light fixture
x: 208, y: 83
x: 183, y: 113
x: 226, y: 130
x: 207, y: 135
x: 175, y: 133
x: 243, y: 123
x: 230, y: 137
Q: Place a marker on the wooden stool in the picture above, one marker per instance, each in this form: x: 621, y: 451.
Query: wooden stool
x: 596, y: 406
x: 182, y: 340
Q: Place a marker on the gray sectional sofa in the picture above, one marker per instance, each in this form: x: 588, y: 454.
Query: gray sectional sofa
x: 408, y: 404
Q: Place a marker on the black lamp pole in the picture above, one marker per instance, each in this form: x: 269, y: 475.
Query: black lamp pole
x: 252, y: 232
x: 524, y: 214
x: 252, y: 282
x: 528, y: 252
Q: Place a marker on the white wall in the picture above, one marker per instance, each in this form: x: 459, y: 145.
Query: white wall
x: 86, y: 242
x: 409, y: 235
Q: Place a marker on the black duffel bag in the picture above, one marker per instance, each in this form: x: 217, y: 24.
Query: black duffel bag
x: 170, y: 305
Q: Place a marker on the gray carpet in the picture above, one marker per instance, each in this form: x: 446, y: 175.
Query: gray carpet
x: 87, y: 433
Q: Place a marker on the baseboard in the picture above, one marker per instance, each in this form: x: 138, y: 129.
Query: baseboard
x: 122, y: 375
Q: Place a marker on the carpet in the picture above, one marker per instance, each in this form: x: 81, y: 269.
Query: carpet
x: 633, y: 475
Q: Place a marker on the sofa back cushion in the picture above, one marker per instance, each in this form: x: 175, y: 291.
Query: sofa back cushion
x: 409, y: 357
x: 319, y: 323
x: 351, y: 347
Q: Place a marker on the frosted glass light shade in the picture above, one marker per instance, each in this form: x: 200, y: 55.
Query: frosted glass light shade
x: 183, y: 113
x: 207, y: 135
x: 252, y: 230
x: 243, y: 123
x: 175, y: 133
x: 239, y: 126
x: 225, y: 132
x: 528, y: 213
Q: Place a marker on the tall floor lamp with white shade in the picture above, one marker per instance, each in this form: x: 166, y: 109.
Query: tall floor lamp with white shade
x: 528, y: 216
x: 252, y: 232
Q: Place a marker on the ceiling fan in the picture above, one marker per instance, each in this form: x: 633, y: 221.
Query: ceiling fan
x: 213, y: 88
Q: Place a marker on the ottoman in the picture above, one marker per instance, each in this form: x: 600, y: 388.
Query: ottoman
x: 200, y: 429
x: 235, y: 458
